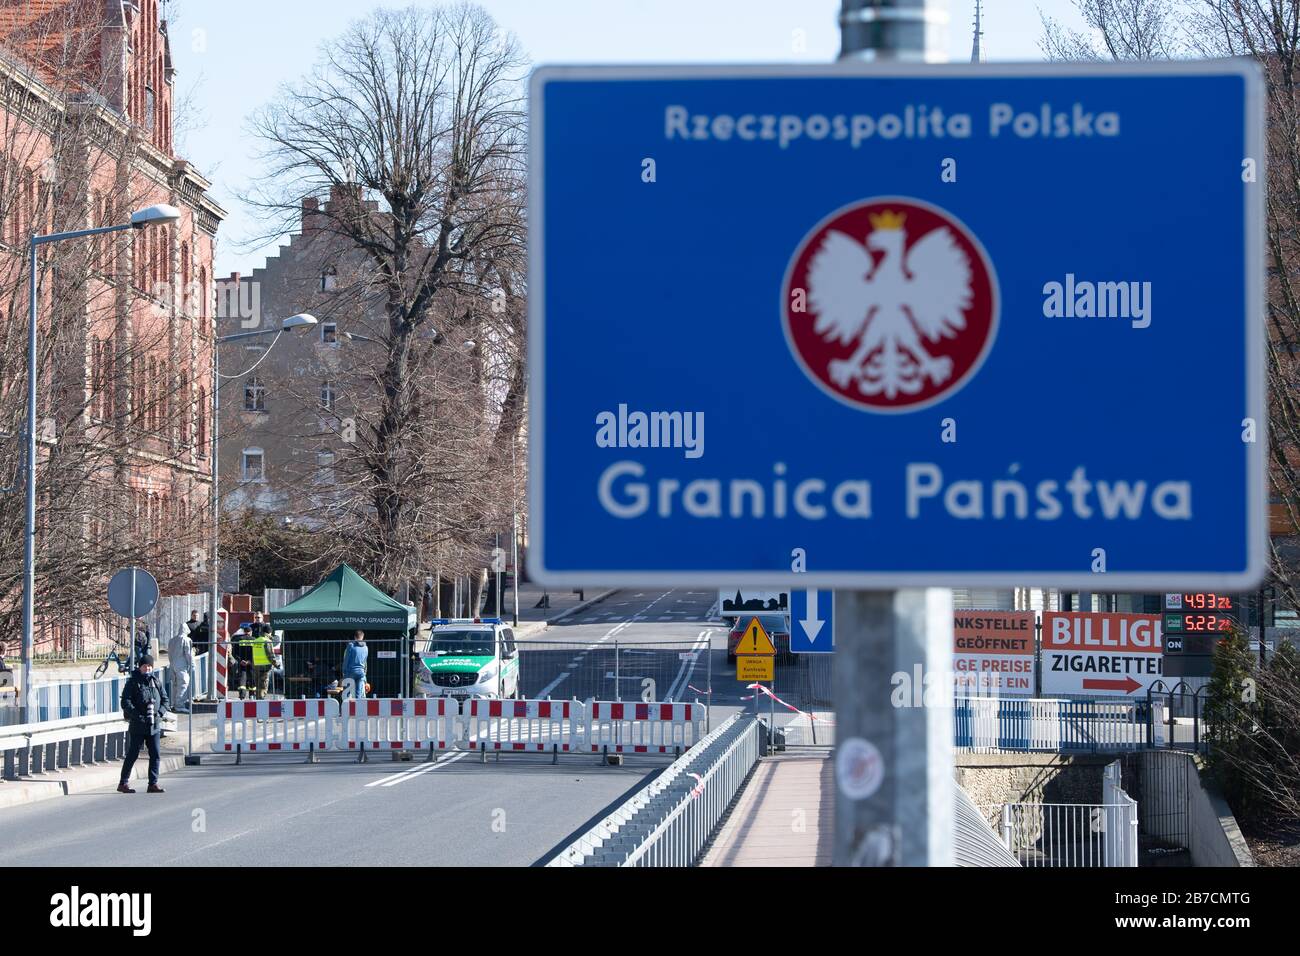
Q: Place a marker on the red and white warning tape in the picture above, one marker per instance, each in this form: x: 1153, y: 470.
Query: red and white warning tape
x: 699, y: 785
x: 790, y: 707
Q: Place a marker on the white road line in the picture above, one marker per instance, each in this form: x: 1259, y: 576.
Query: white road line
x: 412, y: 774
x: 541, y: 694
x: 683, y: 675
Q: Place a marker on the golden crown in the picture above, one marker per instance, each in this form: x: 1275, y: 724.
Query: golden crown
x: 887, y: 220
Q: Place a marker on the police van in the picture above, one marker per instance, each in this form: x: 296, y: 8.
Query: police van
x: 469, y: 657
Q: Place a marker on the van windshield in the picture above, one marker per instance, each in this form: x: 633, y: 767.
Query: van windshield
x: 469, y: 643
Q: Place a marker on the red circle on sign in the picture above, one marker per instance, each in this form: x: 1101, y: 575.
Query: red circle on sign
x: 890, y: 304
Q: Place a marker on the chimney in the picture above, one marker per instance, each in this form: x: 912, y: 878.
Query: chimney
x: 311, y: 217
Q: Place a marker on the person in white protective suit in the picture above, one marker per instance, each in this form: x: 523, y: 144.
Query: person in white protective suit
x: 180, y: 654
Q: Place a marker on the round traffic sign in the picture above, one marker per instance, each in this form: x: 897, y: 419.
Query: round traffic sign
x: 120, y: 597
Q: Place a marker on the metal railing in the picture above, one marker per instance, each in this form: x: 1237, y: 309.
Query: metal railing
x: 36, y: 748
x: 670, y: 820
x: 990, y: 724
x: 1072, y: 834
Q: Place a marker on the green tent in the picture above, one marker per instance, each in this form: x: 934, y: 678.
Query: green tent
x: 343, y: 601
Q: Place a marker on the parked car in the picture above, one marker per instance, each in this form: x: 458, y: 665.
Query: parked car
x: 774, y: 624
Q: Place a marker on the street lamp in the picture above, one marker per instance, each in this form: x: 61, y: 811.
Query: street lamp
x: 161, y: 214
x: 300, y: 321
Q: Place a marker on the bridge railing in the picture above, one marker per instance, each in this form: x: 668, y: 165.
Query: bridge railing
x: 669, y: 821
x: 991, y: 724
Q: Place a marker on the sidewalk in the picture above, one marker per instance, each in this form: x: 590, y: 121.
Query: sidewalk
x: 107, y: 774
x: 785, y: 815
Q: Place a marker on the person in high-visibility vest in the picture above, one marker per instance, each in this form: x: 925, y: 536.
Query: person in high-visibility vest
x: 241, y: 658
x: 263, y: 661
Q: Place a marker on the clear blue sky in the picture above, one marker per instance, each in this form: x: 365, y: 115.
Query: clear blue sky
x: 231, y: 55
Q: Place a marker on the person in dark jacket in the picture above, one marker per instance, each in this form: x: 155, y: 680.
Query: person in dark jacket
x: 144, y: 702
x: 200, y: 635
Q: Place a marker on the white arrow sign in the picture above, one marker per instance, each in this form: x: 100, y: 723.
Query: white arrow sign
x: 812, y: 622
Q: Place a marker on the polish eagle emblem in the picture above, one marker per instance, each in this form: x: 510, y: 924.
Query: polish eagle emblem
x: 896, y: 314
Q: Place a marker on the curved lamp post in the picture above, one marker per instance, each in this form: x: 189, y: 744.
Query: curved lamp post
x: 300, y: 321
x: 158, y: 215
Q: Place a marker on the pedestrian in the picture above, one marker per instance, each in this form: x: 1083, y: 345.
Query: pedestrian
x: 263, y: 657
x: 180, y: 654
x: 200, y: 634
x: 143, y: 642
x: 242, y: 651
x: 143, y: 705
x: 354, y: 662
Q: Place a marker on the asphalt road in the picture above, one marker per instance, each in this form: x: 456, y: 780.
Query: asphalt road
x: 275, y: 809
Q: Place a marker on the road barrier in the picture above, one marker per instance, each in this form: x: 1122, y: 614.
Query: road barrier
x: 540, y: 725
x: 442, y: 723
x: 395, y: 723
x: 643, y: 728
x: 275, y: 725
x: 54, y: 744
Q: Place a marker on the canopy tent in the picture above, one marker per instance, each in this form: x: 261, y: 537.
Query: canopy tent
x: 343, y: 601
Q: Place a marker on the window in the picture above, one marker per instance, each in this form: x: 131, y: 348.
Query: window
x: 325, y: 467
x: 149, y: 104
x: 202, y: 417
x: 329, y: 333
x: 254, y: 395
x: 254, y: 467
x: 327, y: 396
x: 329, y: 279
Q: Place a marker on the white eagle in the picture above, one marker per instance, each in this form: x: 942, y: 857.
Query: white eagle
x: 888, y: 306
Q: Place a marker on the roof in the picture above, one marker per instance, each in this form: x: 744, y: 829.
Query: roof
x: 344, y: 601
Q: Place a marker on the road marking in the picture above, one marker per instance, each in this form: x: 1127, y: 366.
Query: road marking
x: 412, y: 774
x: 542, y: 694
x: 688, y: 667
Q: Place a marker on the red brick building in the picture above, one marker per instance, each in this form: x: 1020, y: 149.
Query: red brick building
x: 126, y: 320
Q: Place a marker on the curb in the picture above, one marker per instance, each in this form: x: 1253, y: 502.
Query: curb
x: 537, y: 627
x: 14, y: 793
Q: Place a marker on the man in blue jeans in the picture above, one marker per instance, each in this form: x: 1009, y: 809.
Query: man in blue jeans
x: 354, y: 662
x: 143, y: 704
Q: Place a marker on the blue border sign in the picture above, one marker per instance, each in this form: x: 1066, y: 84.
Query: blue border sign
x: 898, y: 325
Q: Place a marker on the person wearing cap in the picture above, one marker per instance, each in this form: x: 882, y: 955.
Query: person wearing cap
x: 143, y: 704
x: 354, y: 662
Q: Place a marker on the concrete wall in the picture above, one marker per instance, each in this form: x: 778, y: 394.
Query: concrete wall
x: 995, y: 779
x: 1213, y: 837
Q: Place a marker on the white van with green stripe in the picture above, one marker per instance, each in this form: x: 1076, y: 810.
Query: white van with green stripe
x: 468, y: 658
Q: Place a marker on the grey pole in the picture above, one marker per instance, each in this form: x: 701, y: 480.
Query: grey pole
x: 29, y: 529
x: 894, y: 764
x: 215, y: 616
x: 514, y: 563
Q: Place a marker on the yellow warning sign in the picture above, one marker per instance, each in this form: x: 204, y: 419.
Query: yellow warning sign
x: 756, y: 667
x: 755, y: 640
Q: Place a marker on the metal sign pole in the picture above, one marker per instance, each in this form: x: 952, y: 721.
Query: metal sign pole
x: 133, y: 660
x: 893, y: 765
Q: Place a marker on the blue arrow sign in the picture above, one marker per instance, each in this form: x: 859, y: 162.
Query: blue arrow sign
x: 927, y: 325
x: 812, y: 622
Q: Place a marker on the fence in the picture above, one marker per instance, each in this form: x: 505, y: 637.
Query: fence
x: 986, y: 724
x: 275, y: 598
x: 611, y: 669
x: 443, y: 724
x: 1072, y: 834
x: 670, y: 820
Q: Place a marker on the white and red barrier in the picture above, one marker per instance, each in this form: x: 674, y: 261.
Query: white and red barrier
x: 523, y: 725
x: 275, y: 725
x: 442, y: 723
x: 399, y: 723
x: 643, y: 728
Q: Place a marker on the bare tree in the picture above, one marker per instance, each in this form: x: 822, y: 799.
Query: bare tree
x: 1268, y: 31
x: 414, y: 119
